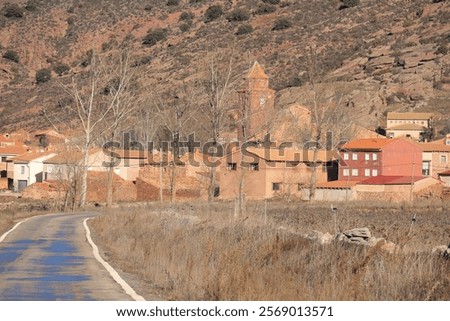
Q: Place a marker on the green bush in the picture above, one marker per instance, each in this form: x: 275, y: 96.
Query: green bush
x: 173, y: 2
x: 187, y: 15
x: 271, y: 1
x: 60, y: 69
x: 238, y: 15
x: 265, y: 9
x: 43, y: 75
x: 348, y: 4
x: 244, y: 29
x: 148, y: 7
x: 12, y: 10
x: 213, y: 12
x: 281, y: 24
x: 196, y: 1
x: 11, y: 55
x: 154, y: 36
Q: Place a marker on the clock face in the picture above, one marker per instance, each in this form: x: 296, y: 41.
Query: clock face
x: 262, y: 100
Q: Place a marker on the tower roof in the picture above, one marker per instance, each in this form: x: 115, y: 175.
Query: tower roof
x: 257, y: 72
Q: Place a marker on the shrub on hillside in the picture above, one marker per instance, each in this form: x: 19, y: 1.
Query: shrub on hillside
x: 184, y: 27
x: 281, y: 24
x: 43, y: 75
x: 348, y: 4
x: 244, y: 29
x: 173, y: 2
x: 213, y: 12
x: 60, y: 69
x: 154, y: 36
x: 196, y: 1
x: 271, y: 1
x: 32, y: 5
x: 265, y: 9
x: 11, y: 55
x: 12, y: 10
x: 186, y: 15
x: 238, y: 15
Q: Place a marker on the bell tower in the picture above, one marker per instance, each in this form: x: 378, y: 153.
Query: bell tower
x: 256, y: 105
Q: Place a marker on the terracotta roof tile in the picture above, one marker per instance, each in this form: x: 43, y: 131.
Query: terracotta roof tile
x: 12, y: 150
x: 432, y: 147
x: 409, y: 116
x: 369, y: 143
x: 30, y: 156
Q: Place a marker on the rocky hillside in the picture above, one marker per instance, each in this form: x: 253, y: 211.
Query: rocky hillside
x: 384, y: 54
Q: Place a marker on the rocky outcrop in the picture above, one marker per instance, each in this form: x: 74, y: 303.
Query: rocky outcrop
x: 442, y: 250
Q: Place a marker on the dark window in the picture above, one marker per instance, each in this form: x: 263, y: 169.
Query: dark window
x: 232, y: 166
x: 254, y: 166
x: 3, y: 159
x: 276, y: 186
x: 216, y: 191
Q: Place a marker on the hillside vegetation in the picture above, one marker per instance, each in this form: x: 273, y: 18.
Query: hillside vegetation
x: 388, y: 54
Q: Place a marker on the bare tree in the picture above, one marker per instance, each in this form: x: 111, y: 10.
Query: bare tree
x: 218, y: 101
x: 123, y: 92
x: 177, y: 114
x: 90, y: 108
x: 329, y: 113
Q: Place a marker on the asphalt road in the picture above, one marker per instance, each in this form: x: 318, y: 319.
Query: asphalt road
x: 48, y: 258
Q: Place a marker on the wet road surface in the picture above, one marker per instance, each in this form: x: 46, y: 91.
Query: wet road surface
x: 48, y: 258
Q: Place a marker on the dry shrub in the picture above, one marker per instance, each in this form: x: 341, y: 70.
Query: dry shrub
x: 184, y: 255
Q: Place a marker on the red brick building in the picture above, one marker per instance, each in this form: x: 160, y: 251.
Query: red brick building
x: 365, y: 158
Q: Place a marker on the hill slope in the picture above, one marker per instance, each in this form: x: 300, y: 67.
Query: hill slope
x: 385, y: 54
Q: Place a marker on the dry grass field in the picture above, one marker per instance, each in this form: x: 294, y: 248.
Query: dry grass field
x: 201, y: 252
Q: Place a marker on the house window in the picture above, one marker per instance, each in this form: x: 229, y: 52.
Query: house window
x: 375, y: 156
x: 232, y: 166
x: 374, y: 172
x: 300, y: 186
x: 3, y: 159
x: 345, y: 156
x: 367, y: 172
x: 355, y: 172
x: 276, y: 186
x: 346, y: 172
x: 22, y: 169
x: 367, y: 156
x: 355, y: 156
x: 443, y: 159
x: 254, y: 167
x: 425, y: 168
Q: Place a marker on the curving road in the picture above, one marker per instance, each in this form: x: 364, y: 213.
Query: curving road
x: 48, y: 258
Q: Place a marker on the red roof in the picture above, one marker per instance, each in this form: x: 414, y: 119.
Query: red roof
x: 368, y: 143
x: 12, y: 150
x: 392, y: 180
x: 446, y: 173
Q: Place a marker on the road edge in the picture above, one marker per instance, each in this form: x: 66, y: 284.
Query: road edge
x: 125, y: 286
x: 3, y: 237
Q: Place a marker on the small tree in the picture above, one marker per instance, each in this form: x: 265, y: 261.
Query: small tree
x: 11, y: 55
x: 43, y: 75
x: 213, y: 12
x: 173, y: 2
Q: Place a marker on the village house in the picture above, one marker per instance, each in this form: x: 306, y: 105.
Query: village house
x: 49, y: 138
x: 365, y: 158
x: 271, y: 172
x: 28, y: 169
x: 410, y: 125
x: 436, y: 157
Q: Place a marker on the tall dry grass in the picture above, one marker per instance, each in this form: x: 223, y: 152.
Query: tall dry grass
x: 197, y: 252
